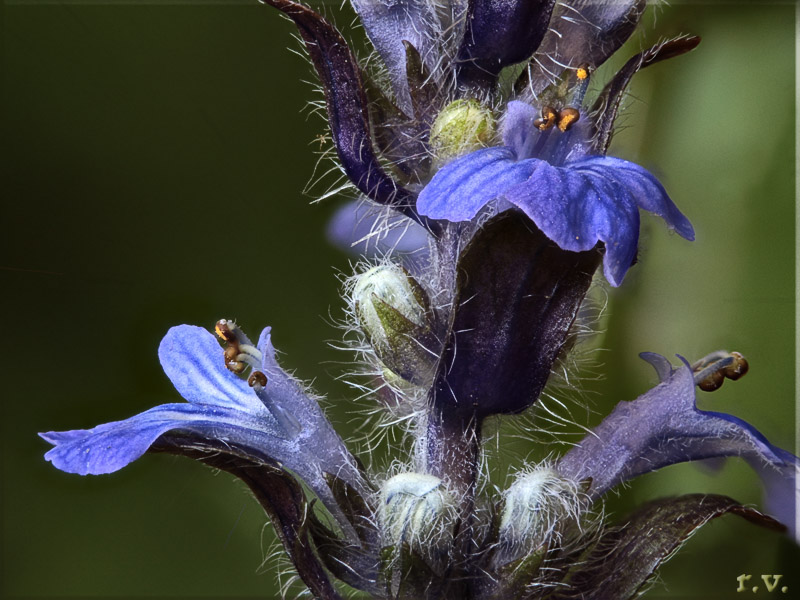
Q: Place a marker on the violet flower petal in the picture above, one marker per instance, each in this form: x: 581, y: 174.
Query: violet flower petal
x: 110, y: 446
x: 576, y: 210
x: 664, y: 427
x: 650, y: 195
x: 577, y: 205
x: 518, y: 130
x: 317, y: 440
x: 278, y: 424
x: 367, y: 230
x: 190, y: 357
x: 462, y: 188
x: 781, y: 494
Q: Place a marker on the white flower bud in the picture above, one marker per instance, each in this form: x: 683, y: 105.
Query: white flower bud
x: 393, y: 310
x: 417, y: 509
x: 540, y: 507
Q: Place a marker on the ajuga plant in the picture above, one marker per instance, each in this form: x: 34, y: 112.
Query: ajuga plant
x: 476, y: 143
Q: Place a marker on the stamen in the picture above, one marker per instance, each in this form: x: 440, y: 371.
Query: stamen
x: 739, y: 367
x: 231, y: 354
x: 549, y: 118
x: 240, y: 352
x: 257, y: 378
x: 567, y: 117
x: 582, y: 73
x: 710, y: 371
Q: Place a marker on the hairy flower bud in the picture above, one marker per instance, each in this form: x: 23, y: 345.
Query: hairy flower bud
x: 394, y: 311
x: 415, y: 510
x: 463, y: 126
x: 540, y: 507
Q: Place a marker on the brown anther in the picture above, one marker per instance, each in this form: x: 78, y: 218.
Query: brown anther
x: 567, y: 117
x: 224, y: 331
x: 549, y: 118
x: 582, y: 72
x: 735, y: 367
x: 234, y: 366
x: 712, y: 382
x: 738, y: 369
x: 257, y: 378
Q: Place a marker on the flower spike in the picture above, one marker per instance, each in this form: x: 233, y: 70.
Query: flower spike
x: 484, y: 208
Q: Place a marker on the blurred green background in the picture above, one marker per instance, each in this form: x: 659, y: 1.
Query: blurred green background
x: 156, y: 158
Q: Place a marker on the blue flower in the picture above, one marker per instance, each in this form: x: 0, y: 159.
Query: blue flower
x: 267, y: 419
x: 575, y: 198
x: 366, y: 230
x: 664, y: 427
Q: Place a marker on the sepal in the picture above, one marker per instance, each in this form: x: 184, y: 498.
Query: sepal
x: 408, y: 575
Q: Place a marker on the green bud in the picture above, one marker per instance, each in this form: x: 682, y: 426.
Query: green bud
x: 416, y: 509
x: 394, y: 311
x: 461, y: 127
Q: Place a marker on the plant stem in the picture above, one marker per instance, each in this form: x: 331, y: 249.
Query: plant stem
x: 452, y: 451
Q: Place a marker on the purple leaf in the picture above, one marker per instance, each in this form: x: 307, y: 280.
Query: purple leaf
x: 500, y: 33
x: 517, y: 296
x: 346, y: 101
x: 610, y: 98
x: 626, y: 557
